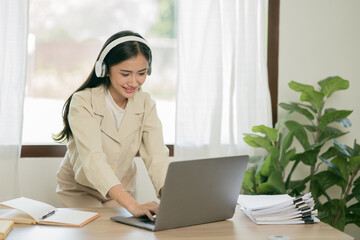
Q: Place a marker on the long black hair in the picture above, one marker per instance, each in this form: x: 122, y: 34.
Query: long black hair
x: 119, y: 53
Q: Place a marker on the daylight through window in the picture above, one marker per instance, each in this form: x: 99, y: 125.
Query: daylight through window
x: 65, y: 38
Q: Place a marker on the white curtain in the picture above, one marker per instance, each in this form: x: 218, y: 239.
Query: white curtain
x: 222, y: 84
x: 13, y: 47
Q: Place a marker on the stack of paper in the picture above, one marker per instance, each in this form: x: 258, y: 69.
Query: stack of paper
x: 279, y: 209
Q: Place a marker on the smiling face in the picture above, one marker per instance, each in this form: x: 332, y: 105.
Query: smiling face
x: 126, y: 78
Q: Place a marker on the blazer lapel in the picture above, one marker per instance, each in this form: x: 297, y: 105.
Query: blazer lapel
x: 107, y: 124
x: 132, y: 119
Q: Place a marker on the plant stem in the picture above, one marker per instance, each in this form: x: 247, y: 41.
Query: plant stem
x: 345, y: 195
x: 349, y: 185
x: 291, y: 172
x: 317, y: 136
x: 337, y: 215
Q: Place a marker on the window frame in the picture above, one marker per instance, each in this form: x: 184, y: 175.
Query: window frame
x: 58, y: 150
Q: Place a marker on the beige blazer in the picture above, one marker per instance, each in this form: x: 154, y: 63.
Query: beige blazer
x: 99, y: 156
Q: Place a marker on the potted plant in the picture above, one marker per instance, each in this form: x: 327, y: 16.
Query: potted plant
x: 343, y: 173
x: 301, y: 140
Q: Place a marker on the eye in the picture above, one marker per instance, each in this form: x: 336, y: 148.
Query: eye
x: 125, y: 74
x: 142, y: 73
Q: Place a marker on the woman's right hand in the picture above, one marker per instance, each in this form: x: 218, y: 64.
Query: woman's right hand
x: 119, y: 194
x: 148, y: 209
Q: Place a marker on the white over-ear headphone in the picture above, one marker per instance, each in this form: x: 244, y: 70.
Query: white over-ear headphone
x: 100, y: 66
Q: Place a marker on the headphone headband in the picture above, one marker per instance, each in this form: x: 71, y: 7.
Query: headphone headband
x: 100, y: 67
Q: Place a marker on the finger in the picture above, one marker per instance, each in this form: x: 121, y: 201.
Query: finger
x: 152, y: 204
x: 154, y: 208
x: 155, y: 211
x: 148, y: 213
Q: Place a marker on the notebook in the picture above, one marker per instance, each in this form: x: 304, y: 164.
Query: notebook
x: 5, y: 228
x: 196, y: 192
x: 29, y: 211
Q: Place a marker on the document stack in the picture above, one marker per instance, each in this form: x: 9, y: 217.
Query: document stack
x: 279, y: 209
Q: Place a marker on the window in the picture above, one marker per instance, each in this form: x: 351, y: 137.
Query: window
x: 65, y: 38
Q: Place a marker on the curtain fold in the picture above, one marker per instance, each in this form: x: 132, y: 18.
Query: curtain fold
x: 222, y: 79
x: 13, y: 55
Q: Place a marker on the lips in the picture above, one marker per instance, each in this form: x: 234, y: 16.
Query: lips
x: 129, y: 90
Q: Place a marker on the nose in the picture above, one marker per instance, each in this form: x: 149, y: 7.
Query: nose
x: 133, y: 82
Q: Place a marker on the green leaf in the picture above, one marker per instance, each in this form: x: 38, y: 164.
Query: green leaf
x: 343, y: 149
x: 333, y: 84
x: 299, y: 87
x: 248, y: 182
x: 356, y: 189
x: 280, y: 123
x: 287, y: 157
x: 266, y: 167
x: 269, y: 133
x: 299, y: 132
x: 357, y: 182
x: 257, y: 177
x: 333, y: 116
x: 274, y: 156
x: 345, y: 122
x: 315, y: 98
x: 296, y: 108
x: 310, y: 128
x: 259, y: 164
x: 270, y: 162
x: 308, y: 157
x: 352, y: 218
x: 331, y: 211
x: 318, y: 144
x: 334, y: 168
x: 257, y: 141
x: 326, y: 179
x: 308, y: 107
x: 341, y: 165
x: 356, y: 149
x: 297, y: 187
x: 316, y: 192
x: 287, y: 141
x: 273, y: 185
x: 331, y: 152
x: 355, y: 208
x: 356, y: 192
x: 354, y: 164
x: 330, y: 132
x: 256, y: 159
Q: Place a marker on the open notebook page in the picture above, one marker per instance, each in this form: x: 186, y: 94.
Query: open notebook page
x: 34, y: 208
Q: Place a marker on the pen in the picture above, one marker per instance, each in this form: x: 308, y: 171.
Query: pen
x: 47, y: 215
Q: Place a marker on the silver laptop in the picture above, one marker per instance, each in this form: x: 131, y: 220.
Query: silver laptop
x: 196, y: 192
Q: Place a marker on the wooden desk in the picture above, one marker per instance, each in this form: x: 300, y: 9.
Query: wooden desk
x: 239, y: 227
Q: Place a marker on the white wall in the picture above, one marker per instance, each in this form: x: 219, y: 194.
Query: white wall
x: 321, y: 38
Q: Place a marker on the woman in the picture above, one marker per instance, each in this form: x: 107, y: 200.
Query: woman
x: 106, y: 122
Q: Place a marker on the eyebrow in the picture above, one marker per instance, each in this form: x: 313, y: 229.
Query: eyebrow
x: 123, y: 70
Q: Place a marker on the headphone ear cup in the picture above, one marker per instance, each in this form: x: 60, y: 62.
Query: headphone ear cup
x: 149, y: 70
x: 100, y: 69
x: 104, y: 70
x: 149, y: 65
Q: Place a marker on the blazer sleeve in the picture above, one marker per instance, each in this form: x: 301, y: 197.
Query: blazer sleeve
x: 87, y: 135
x: 152, y: 150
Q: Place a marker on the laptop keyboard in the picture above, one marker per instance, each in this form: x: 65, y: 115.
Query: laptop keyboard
x: 147, y: 220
